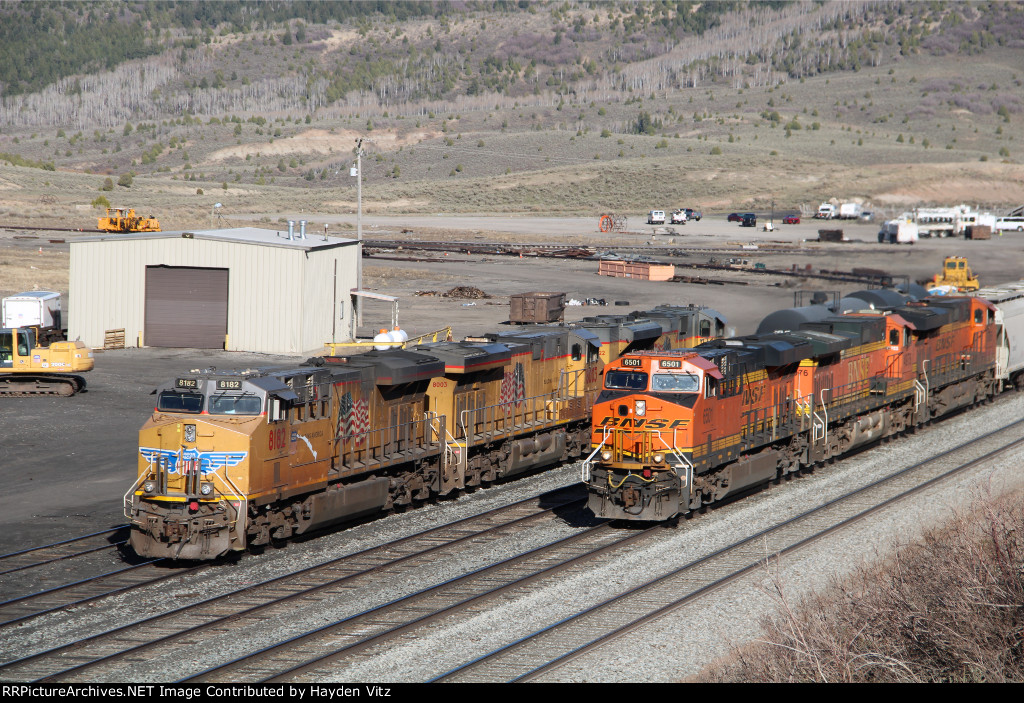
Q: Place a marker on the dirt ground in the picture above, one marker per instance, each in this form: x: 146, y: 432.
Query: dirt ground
x: 744, y: 296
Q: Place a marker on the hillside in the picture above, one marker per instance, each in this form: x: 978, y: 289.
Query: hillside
x: 570, y: 108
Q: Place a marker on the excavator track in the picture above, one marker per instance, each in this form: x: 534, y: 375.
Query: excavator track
x: 16, y: 385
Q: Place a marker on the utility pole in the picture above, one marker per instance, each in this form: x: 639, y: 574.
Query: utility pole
x: 359, y: 230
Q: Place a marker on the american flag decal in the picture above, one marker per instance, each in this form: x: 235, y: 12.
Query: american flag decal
x: 513, y: 386
x: 355, y: 417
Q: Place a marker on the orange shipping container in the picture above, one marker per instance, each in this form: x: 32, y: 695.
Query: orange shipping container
x: 632, y: 269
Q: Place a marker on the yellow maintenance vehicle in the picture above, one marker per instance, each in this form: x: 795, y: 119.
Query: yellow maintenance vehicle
x: 956, y: 276
x: 29, y: 369
x: 123, y: 219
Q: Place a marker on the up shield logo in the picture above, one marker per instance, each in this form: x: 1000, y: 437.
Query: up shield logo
x: 209, y: 462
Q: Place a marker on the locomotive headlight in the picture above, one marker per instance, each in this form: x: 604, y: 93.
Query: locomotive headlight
x: 606, y: 455
x: 658, y: 458
x: 206, y: 489
x: 149, y: 486
x: 641, y: 408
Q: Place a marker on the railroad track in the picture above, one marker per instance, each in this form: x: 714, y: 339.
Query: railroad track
x: 102, y: 654
x: 23, y: 228
x: 549, y: 649
x: 117, y: 581
x: 65, y: 549
x: 361, y: 636
x: 382, y: 249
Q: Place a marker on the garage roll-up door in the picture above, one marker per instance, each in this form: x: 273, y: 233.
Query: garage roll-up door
x: 186, y: 307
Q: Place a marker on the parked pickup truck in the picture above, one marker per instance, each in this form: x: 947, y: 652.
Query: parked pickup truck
x: 692, y: 214
x: 679, y: 217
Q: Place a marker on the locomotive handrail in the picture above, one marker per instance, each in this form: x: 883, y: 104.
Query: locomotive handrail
x: 920, y: 394
x: 564, y: 384
x: 676, y: 451
x: 139, y: 480
x: 430, y: 418
x: 376, y: 442
x: 509, y: 412
x: 824, y: 408
x: 587, y: 463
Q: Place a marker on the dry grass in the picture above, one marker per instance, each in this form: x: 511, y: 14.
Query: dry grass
x: 947, y: 608
x: 26, y: 269
x: 375, y: 276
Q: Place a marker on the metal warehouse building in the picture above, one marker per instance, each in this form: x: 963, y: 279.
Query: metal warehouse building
x: 244, y: 289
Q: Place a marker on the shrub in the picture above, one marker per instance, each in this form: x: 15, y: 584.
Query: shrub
x: 946, y: 608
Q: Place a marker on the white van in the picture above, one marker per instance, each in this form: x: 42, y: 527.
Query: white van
x: 1007, y: 224
x: 656, y: 217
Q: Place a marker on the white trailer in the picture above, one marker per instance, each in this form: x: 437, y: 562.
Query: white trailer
x: 902, y: 230
x: 38, y: 307
x: 849, y: 211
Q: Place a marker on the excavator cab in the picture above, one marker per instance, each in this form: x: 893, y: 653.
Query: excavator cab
x: 14, y: 343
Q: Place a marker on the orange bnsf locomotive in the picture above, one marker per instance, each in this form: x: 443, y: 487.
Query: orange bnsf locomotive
x: 232, y: 459
x: 677, y: 430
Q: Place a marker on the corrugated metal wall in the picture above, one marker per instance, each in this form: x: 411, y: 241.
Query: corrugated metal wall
x: 281, y: 300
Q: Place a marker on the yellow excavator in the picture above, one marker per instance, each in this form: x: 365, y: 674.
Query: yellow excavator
x: 123, y: 219
x: 956, y: 276
x: 29, y: 369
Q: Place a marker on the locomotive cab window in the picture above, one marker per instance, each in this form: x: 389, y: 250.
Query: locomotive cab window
x: 705, y: 328
x: 710, y: 387
x: 894, y: 337
x: 171, y: 402
x: 275, y: 411
x: 626, y: 380
x: 577, y: 352
x: 236, y: 405
x: 675, y: 383
x: 979, y: 316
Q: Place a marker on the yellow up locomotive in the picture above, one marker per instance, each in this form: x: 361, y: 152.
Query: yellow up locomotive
x: 233, y: 459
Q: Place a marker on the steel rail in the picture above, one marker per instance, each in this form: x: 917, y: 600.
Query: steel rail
x: 662, y: 584
x: 175, y: 617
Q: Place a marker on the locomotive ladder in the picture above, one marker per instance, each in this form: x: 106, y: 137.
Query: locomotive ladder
x: 686, y: 480
x: 448, y: 441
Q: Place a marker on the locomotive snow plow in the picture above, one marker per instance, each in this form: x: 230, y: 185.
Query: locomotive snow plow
x: 29, y: 369
x: 956, y: 277
x: 122, y: 219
